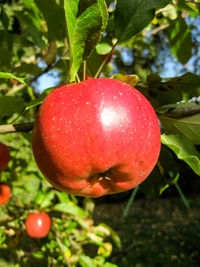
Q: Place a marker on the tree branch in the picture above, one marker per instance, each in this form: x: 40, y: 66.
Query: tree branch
x: 156, y: 30
x: 183, y: 112
x: 14, y: 128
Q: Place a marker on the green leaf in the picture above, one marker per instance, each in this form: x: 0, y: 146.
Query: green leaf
x: 35, y: 102
x: 113, y: 234
x: 48, y: 197
x: 55, y: 18
x: 31, y: 29
x: 38, y: 254
x: 131, y: 17
x: 172, y: 90
x: 7, y: 75
x: 131, y: 79
x: 40, y: 99
x: 70, y: 208
x: 109, y: 264
x: 189, y: 7
x: 86, y: 261
x: 33, y: 13
x: 183, y: 149
x: 180, y: 38
x: 85, y: 27
x: 177, y: 106
x: 10, y: 105
x: 62, y: 196
x: 103, y: 48
x: 188, y: 126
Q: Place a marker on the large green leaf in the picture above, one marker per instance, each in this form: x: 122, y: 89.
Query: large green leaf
x: 132, y: 16
x: 70, y: 208
x: 33, y: 12
x: 10, y: 105
x: 86, y: 21
x: 30, y: 29
x: 180, y: 38
x: 188, y: 126
x: 183, y: 149
x: 55, y: 18
x: 171, y: 90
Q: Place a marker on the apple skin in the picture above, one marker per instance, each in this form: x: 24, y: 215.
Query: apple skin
x: 38, y: 225
x: 4, y: 156
x: 96, y: 137
x: 4, y: 193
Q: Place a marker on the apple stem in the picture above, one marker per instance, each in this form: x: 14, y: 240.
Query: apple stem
x: 84, y: 70
x: 104, y: 61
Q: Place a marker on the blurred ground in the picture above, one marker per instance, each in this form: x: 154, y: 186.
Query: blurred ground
x: 156, y: 233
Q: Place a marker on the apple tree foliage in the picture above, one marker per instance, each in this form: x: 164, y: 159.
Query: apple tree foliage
x: 66, y: 38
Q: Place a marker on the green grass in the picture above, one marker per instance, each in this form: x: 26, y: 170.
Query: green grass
x: 156, y: 233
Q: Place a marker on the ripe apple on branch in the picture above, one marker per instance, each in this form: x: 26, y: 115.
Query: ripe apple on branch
x: 96, y: 137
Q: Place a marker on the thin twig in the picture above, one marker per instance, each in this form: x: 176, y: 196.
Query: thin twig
x: 104, y: 61
x: 15, y: 89
x: 156, y: 30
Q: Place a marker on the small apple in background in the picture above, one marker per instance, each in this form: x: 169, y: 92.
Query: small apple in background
x: 4, y: 156
x: 96, y: 137
x: 4, y: 193
x: 38, y: 225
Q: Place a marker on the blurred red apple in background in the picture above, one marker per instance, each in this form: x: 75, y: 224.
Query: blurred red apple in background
x: 38, y: 225
x: 4, y: 156
x: 4, y: 193
x: 96, y: 137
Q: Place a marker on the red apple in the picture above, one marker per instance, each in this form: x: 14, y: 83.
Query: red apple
x: 4, y: 193
x: 96, y: 137
x: 38, y: 225
x: 4, y: 156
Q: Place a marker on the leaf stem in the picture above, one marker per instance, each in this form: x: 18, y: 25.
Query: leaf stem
x: 84, y: 70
